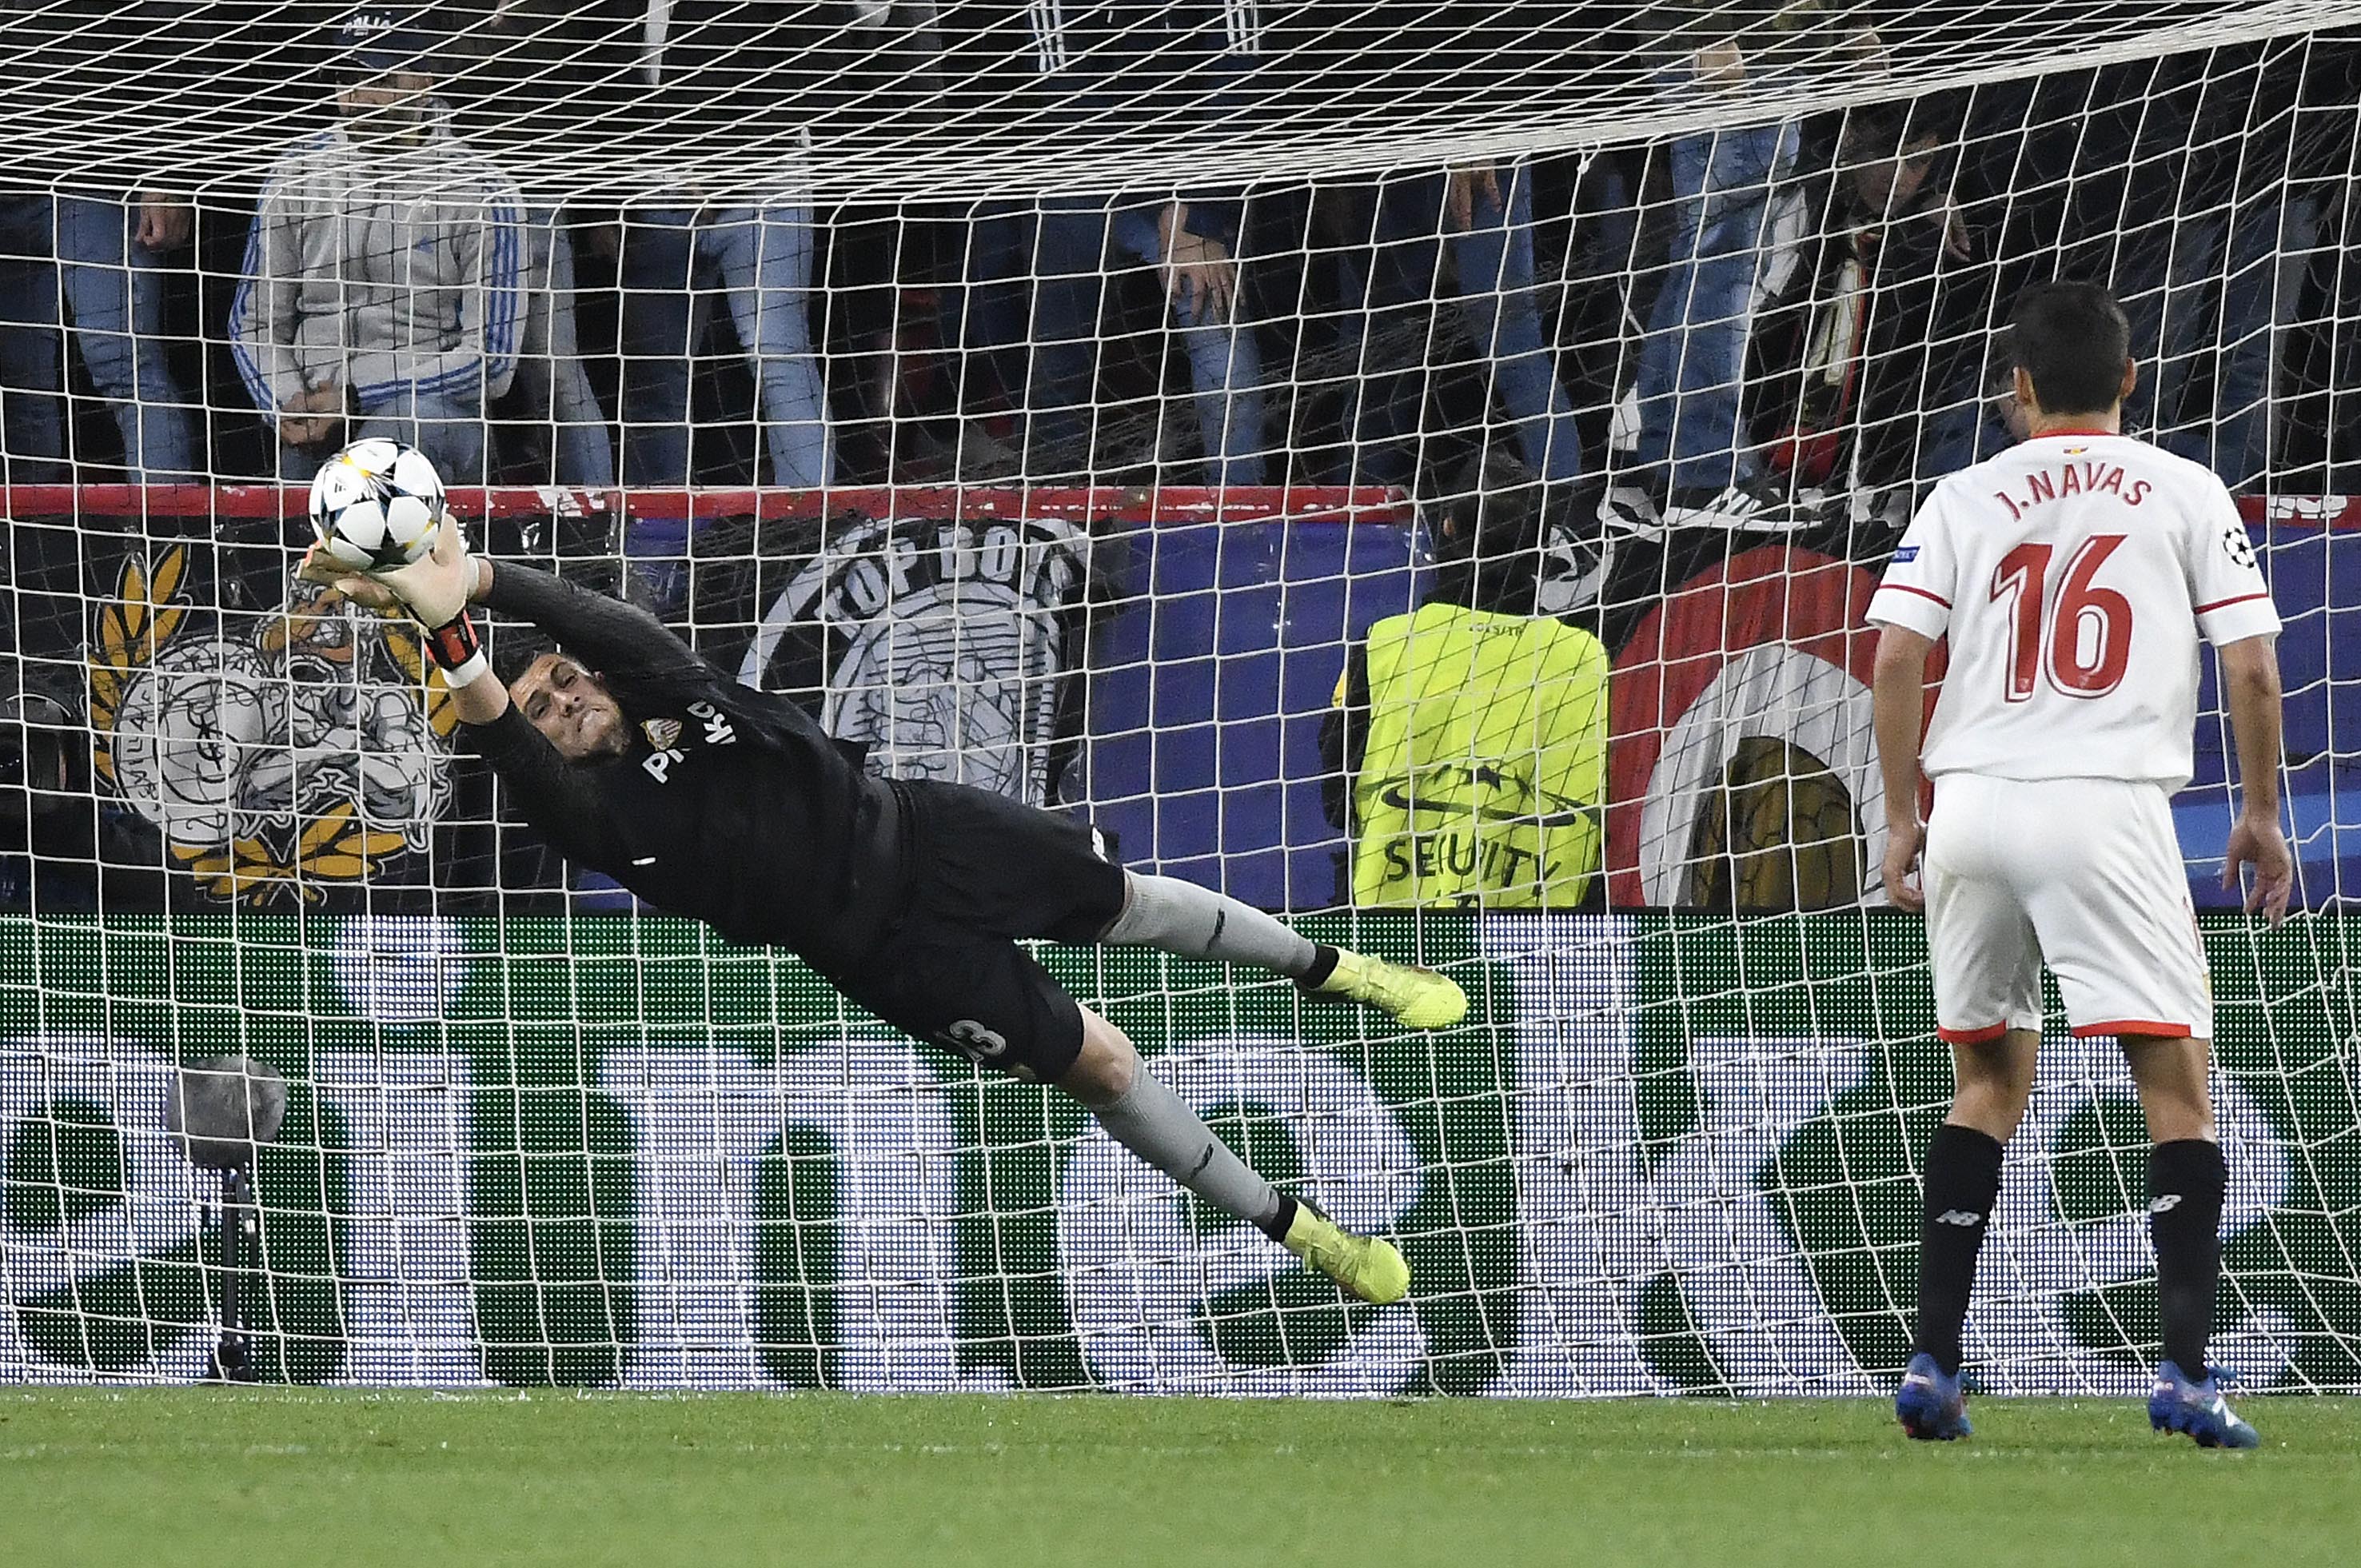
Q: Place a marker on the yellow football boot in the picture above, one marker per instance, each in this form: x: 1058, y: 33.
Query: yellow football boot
x: 1368, y: 1266
x: 1420, y: 998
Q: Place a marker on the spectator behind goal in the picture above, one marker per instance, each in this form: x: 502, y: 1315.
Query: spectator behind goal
x: 1477, y: 219
x: 92, y: 255
x: 1692, y: 465
x: 1467, y: 749
x: 382, y: 289
x: 100, y: 254
x: 706, y: 64
x: 1859, y: 388
x: 1024, y: 316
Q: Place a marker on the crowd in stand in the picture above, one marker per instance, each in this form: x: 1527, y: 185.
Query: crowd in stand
x: 1638, y: 357
x: 1763, y: 328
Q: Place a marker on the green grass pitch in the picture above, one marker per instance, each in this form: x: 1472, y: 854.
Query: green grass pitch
x: 302, y: 1476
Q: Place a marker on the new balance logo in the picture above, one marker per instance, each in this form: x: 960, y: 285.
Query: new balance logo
x: 2164, y: 1204
x: 1959, y: 1217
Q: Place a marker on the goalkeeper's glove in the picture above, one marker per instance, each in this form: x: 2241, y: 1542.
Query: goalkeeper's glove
x: 435, y: 589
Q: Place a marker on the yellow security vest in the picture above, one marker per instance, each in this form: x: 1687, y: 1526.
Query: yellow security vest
x: 1483, y: 780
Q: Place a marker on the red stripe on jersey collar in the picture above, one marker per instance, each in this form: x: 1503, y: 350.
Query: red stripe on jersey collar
x: 2051, y: 435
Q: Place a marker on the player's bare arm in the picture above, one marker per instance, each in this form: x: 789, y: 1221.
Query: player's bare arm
x: 2250, y: 689
x: 1898, y: 701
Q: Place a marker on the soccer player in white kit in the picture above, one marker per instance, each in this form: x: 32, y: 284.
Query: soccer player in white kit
x: 2073, y: 575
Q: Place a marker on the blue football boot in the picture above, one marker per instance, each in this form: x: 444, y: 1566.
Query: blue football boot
x: 1929, y: 1405
x: 2181, y: 1404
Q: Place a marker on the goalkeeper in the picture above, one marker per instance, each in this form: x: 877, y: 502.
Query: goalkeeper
x: 708, y: 798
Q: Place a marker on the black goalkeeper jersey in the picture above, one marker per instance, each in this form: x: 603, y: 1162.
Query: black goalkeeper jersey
x: 733, y: 805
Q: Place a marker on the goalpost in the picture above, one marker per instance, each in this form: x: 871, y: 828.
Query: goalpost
x: 1057, y: 401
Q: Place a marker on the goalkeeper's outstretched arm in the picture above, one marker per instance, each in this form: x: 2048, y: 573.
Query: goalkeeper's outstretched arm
x: 609, y: 635
x: 559, y: 798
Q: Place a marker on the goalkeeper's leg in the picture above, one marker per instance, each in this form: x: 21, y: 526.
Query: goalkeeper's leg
x: 999, y: 869
x: 1147, y: 1117
x: 1179, y: 916
x: 992, y: 1002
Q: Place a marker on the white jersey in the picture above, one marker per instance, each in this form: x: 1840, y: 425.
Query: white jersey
x: 2073, y: 574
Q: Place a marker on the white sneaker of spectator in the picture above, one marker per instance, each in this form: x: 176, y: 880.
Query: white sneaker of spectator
x: 1631, y: 511
x: 1758, y: 507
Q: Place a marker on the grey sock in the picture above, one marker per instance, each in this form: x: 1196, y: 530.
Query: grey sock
x: 1198, y: 923
x: 1158, y: 1126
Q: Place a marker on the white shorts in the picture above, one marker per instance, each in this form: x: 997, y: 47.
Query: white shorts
x: 2085, y: 873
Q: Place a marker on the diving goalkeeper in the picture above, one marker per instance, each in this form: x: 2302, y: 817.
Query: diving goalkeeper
x: 708, y: 798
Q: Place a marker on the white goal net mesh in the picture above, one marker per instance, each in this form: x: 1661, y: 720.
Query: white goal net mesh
x: 1076, y: 403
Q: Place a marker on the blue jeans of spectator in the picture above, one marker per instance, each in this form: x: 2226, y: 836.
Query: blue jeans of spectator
x: 1492, y: 262
x: 761, y: 260
x: 32, y: 429
x: 2221, y: 283
x: 1693, y: 362
x: 82, y: 247
x: 1066, y: 246
x: 550, y: 373
x: 448, y: 427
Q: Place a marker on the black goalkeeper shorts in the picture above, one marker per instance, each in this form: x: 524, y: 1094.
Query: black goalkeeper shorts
x: 987, y: 871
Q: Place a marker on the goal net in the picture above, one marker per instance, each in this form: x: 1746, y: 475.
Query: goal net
x: 1118, y: 409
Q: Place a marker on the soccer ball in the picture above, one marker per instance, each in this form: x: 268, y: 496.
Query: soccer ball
x: 377, y: 504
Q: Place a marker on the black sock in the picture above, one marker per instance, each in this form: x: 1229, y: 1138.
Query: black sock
x: 1324, y: 964
x: 1963, y: 1183
x: 1277, y: 1226
x: 2186, y: 1179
